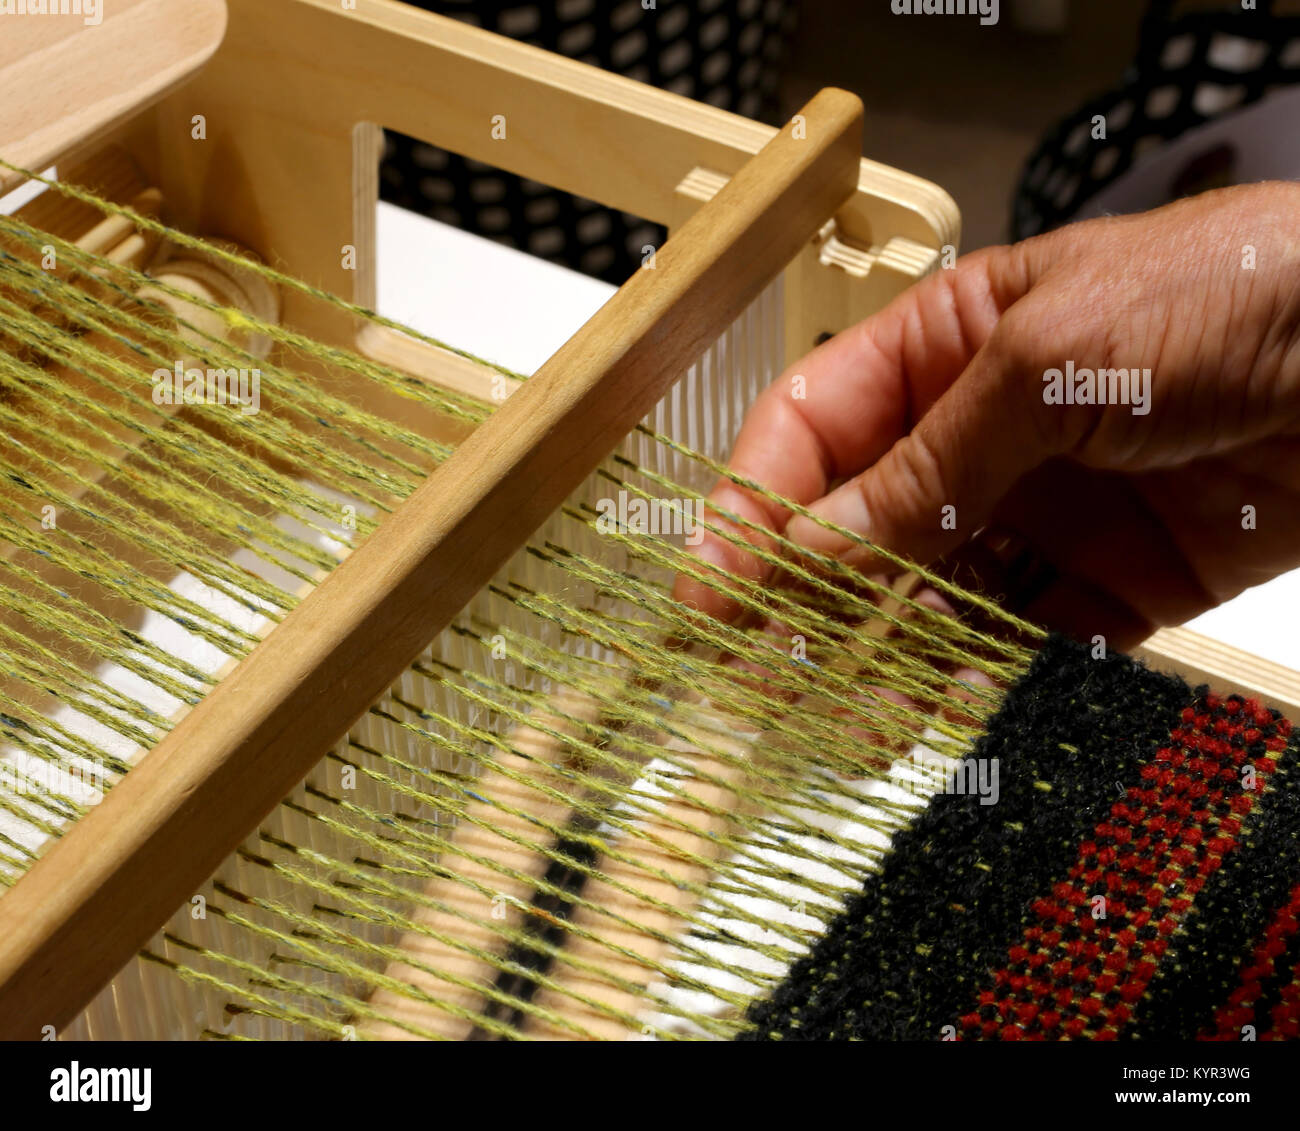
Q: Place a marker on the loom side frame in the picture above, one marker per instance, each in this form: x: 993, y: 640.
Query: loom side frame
x: 119, y: 872
x: 59, y: 92
x: 300, y: 88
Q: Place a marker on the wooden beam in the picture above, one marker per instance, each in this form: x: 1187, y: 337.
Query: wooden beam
x: 68, y: 79
x: 80, y: 913
x: 1200, y: 659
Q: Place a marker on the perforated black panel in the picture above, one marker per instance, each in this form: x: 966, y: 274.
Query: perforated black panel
x: 1192, y: 67
x: 723, y: 52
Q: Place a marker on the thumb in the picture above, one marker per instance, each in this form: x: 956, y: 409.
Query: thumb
x: 940, y: 482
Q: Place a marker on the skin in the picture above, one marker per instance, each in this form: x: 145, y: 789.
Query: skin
x: 938, y: 400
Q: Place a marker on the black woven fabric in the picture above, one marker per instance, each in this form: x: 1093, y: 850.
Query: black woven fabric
x: 1191, y: 68
x: 1179, y: 810
x: 723, y: 52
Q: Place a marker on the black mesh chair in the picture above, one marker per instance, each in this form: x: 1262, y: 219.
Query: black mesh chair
x: 1192, y: 67
x: 723, y: 52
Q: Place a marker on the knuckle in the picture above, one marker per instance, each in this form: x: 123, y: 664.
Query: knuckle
x: 918, y: 479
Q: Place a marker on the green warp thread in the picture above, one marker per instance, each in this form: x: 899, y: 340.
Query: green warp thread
x: 253, y: 510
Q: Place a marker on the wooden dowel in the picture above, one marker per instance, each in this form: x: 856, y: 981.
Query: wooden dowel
x: 101, y: 891
x: 109, y: 445
x: 489, y: 856
x: 627, y: 938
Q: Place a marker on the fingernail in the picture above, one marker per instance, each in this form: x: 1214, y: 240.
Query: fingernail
x: 713, y: 554
x: 975, y: 676
x: 713, y: 551
x: 845, y: 507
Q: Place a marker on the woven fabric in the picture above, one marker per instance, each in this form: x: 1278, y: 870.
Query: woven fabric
x: 1137, y: 878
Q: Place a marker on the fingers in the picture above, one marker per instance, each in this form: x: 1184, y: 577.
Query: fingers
x: 1101, y: 529
x: 847, y: 404
x: 1088, y: 612
x: 939, y: 484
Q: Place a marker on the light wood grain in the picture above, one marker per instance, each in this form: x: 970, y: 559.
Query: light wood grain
x: 1200, y: 659
x: 65, y: 81
x: 305, y: 84
x: 129, y: 863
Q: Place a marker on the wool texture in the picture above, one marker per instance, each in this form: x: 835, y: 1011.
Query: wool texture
x: 1137, y: 879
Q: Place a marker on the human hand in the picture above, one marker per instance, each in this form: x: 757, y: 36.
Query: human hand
x: 938, y: 401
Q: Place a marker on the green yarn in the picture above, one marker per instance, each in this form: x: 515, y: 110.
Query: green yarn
x: 306, y: 917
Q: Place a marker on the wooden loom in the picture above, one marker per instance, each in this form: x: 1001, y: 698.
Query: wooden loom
x: 294, y: 94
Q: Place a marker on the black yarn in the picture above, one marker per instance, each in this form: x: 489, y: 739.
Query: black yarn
x: 908, y: 954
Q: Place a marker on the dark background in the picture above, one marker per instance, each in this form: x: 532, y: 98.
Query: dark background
x: 951, y: 100
x: 959, y: 104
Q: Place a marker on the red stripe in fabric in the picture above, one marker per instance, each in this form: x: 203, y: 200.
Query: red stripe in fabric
x: 1239, y: 1010
x: 1073, y: 975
